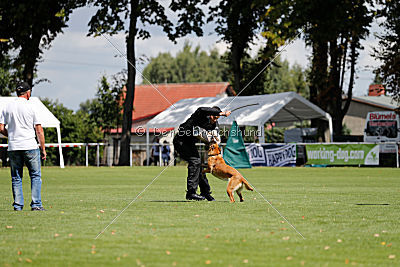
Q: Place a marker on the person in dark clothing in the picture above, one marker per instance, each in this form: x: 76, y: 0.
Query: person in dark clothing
x: 155, y: 152
x: 185, y: 144
x: 165, y: 153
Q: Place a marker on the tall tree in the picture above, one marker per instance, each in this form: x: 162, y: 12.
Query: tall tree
x: 334, y: 30
x: 27, y: 27
x: 240, y: 23
x: 388, y: 51
x: 110, y: 19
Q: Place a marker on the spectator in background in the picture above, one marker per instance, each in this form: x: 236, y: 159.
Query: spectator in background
x: 24, y: 125
x: 155, y: 152
x: 165, y: 153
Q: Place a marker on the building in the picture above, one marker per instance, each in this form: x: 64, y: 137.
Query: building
x: 359, y: 108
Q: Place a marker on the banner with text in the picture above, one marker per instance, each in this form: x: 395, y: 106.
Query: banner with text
x: 272, y: 154
x: 343, y: 154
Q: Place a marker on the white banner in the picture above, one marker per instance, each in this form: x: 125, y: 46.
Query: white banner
x: 272, y: 155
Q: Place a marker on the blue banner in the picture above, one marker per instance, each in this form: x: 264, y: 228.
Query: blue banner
x: 272, y: 155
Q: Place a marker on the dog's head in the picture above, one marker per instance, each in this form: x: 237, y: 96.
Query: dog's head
x: 214, y: 149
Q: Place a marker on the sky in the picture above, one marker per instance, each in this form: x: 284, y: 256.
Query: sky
x: 75, y: 62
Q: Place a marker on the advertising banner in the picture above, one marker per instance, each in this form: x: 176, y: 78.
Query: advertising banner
x: 343, y: 154
x: 272, y: 154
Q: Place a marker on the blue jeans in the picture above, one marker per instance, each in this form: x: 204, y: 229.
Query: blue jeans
x: 32, y: 160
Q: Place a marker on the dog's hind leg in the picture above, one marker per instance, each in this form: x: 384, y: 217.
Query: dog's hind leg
x: 239, y: 192
x: 246, y: 184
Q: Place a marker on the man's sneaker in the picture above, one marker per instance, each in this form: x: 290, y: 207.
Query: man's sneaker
x: 194, y: 196
x: 208, y: 196
x: 38, y: 208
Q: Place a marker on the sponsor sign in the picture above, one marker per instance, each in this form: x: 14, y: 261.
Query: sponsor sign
x: 343, y: 154
x: 381, y: 126
x: 272, y: 154
x: 388, y: 148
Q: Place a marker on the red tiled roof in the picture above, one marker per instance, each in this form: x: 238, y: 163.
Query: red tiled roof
x: 149, y: 102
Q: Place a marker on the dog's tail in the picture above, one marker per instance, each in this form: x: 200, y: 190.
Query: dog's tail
x: 246, y: 184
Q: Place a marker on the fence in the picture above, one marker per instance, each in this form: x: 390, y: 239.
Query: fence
x: 144, y: 159
x: 109, y: 159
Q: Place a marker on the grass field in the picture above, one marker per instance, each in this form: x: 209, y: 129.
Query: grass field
x: 347, y: 216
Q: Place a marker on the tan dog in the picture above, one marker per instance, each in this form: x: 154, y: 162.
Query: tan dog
x: 218, y: 168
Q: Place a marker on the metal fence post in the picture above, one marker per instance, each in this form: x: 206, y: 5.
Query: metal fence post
x: 87, y: 154
x: 98, y: 154
x: 130, y: 155
x: 147, y: 146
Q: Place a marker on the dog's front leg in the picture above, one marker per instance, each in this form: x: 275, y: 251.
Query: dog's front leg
x: 206, y: 170
x: 230, y: 189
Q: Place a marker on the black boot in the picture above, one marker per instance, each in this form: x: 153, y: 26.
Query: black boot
x: 193, y: 196
x: 208, y: 196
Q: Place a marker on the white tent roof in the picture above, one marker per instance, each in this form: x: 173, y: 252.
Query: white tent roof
x: 283, y: 109
x: 49, y: 120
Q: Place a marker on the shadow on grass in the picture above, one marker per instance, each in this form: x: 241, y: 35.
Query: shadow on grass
x: 372, y: 204
x: 183, y: 201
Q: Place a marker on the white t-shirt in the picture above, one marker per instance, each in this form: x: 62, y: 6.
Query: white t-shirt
x: 21, y: 117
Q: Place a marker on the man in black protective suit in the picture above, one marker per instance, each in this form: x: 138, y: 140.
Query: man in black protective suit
x: 185, y: 144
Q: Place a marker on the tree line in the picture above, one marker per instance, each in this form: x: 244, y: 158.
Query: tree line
x: 333, y: 29
x: 193, y: 65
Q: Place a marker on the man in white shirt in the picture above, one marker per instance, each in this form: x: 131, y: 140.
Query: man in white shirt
x: 24, y: 126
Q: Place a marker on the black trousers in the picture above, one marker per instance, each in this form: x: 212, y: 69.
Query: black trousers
x: 186, y: 148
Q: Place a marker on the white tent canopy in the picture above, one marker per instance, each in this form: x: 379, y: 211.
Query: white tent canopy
x: 284, y: 109
x: 49, y: 120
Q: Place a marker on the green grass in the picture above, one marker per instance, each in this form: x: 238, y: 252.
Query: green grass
x: 160, y: 229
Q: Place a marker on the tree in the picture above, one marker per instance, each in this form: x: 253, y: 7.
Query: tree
x: 279, y: 77
x: 388, y: 51
x: 195, y: 66
x: 189, y: 65
x: 110, y: 18
x: 283, y: 78
x: 75, y: 128
x: 161, y: 69
x: 377, y: 78
x: 8, y: 76
x: 334, y: 30
x: 240, y: 22
x: 105, y: 110
x: 27, y: 27
x: 299, y: 78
